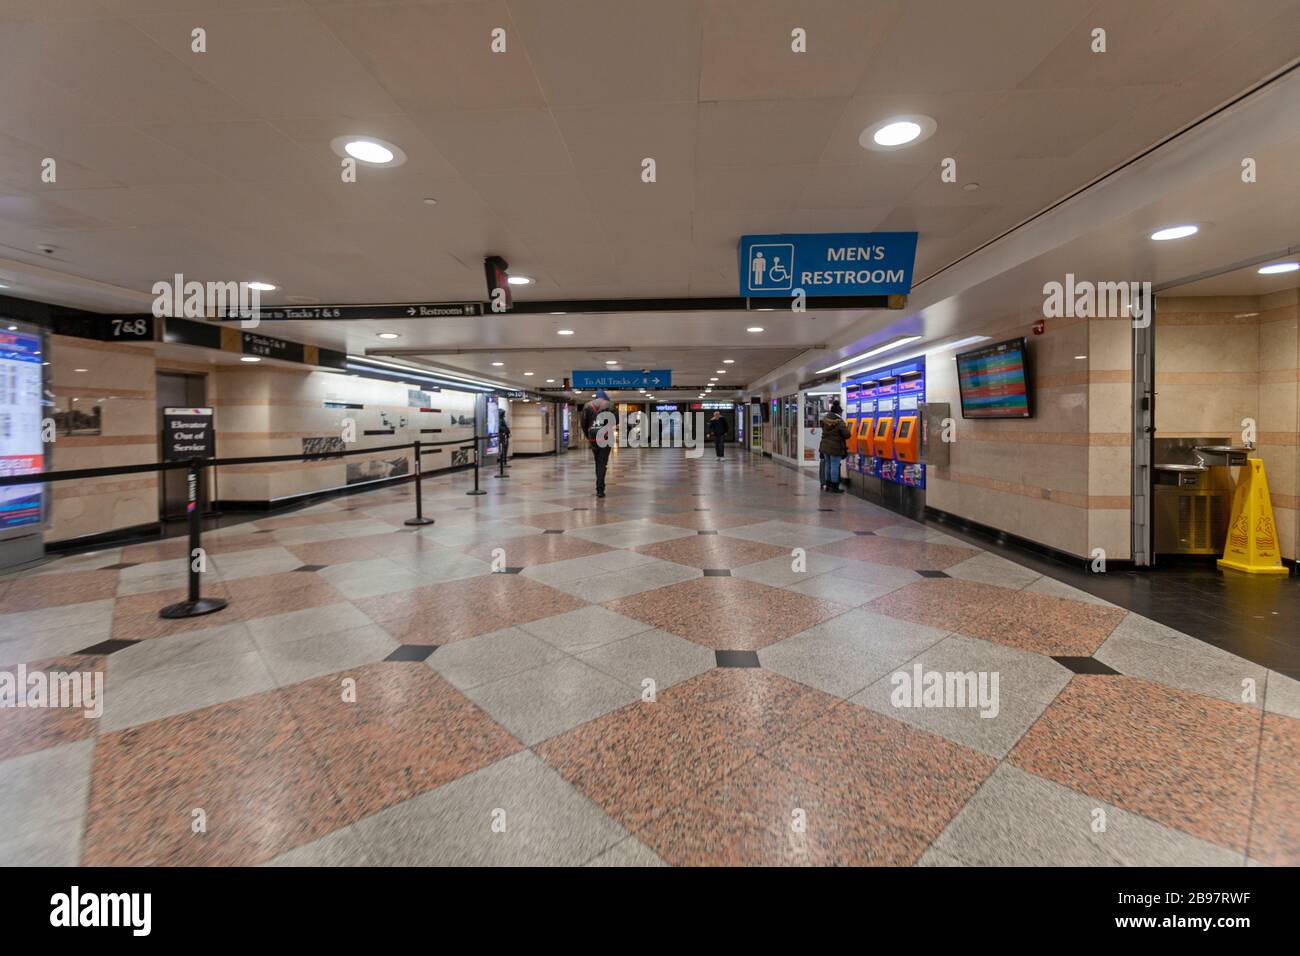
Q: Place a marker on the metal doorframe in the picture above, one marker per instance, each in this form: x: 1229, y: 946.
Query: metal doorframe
x: 1143, y: 438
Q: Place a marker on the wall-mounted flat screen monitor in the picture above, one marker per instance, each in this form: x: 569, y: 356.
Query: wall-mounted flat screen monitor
x: 995, y: 382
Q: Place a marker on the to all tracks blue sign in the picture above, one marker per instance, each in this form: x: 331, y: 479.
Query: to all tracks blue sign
x: 830, y: 263
x: 654, y: 378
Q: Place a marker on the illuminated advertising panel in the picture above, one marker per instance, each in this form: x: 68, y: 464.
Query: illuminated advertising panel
x: 21, y: 450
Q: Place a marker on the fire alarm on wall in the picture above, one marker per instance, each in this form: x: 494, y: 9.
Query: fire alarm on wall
x: 1039, y: 326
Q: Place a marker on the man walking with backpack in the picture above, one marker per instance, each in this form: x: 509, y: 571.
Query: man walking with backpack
x: 598, y: 434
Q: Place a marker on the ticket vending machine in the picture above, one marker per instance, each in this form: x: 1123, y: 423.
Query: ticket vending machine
x: 866, y: 437
x: 852, y: 443
x: 907, y: 440
x: 884, y: 438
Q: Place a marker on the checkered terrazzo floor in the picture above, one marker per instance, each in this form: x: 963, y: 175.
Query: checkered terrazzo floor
x: 712, y: 665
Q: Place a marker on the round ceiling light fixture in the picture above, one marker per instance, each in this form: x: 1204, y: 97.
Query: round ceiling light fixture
x: 611, y: 362
x: 369, y: 150
x: 728, y: 361
x: 1174, y: 232
x: 498, y: 364
x: 389, y: 335
x: 1278, y: 268
x: 519, y: 280
x: 564, y: 331
x: 898, y: 132
x: 249, y: 358
x: 754, y: 328
x: 262, y: 286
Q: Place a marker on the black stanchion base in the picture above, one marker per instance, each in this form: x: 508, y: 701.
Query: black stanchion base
x: 500, y: 476
x: 192, y: 608
x: 476, y: 492
x: 418, y: 521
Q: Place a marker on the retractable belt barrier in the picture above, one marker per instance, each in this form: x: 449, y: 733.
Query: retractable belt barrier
x: 195, y: 604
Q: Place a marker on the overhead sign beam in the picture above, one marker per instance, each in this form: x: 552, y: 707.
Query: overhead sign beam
x: 549, y: 307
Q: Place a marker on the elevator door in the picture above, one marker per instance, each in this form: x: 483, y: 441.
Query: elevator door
x: 177, y: 390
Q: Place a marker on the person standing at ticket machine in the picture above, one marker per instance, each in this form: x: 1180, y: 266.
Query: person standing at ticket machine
x: 834, y: 446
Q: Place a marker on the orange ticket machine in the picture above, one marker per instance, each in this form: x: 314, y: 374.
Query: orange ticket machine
x: 852, y: 443
x: 907, y: 440
x: 866, y: 438
x: 883, y: 444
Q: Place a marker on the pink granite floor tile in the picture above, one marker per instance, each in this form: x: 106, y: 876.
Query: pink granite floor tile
x: 531, y: 550
x: 54, y: 590
x: 899, y: 552
x: 1177, y: 757
x: 407, y: 731
x: 872, y: 765
x: 726, y: 613
x: 1275, y: 829
x: 1030, y: 622
x: 443, y: 613
x: 711, y: 551
x: 244, y: 766
x: 27, y: 729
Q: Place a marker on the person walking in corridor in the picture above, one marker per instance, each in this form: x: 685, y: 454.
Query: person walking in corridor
x: 718, y: 429
x: 599, y: 439
x: 834, y: 447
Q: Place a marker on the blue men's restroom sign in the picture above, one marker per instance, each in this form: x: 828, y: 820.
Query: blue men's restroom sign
x: 830, y: 263
x: 605, y: 378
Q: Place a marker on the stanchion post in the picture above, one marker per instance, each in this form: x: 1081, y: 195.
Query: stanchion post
x: 478, y: 453
x: 196, y: 604
x: 419, y: 518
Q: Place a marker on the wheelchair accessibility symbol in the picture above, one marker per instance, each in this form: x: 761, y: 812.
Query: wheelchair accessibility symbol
x: 771, y: 267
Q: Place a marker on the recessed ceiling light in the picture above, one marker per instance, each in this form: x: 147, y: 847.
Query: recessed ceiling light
x: 970, y: 187
x: 728, y: 361
x: 389, y: 335
x: 611, y: 362
x: 249, y: 358
x: 898, y: 132
x: 754, y: 328
x: 559, y: 313
x: 429, y: 201
x: 13, y: 328
x: 1279, y: 267
x: 498, y: 364
x: 720, y: 371
x: 528, y: 373
x: 262, y: 286
x: 550, y: 381
x: 1079, y: 358
x: 1174, y: 232
x: 369, y: 151
x: 564, y: 331
x: 714, y: 379
x: 79, y: 370
x: 519, y: 280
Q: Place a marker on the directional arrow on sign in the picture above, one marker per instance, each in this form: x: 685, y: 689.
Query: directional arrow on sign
x: 410, y: 311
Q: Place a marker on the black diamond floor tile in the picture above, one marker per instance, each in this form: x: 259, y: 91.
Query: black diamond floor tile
x: 412, y: 652
x: 737, y: 658
x: 1086, y: 665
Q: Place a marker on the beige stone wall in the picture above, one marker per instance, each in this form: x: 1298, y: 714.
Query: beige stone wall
x: 269, y: 410
x: 1035, y: 478
x: 120, y: 380
x: 527, y: 435
x: 260, y: 409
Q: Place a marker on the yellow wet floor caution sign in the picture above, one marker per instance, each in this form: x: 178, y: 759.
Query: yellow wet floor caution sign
x: 1252, y: 536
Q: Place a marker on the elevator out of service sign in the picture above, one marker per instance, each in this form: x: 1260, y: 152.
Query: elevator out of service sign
x: 828, y: 263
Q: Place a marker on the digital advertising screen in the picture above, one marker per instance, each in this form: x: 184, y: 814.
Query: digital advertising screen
x: 994, y: 381
x: 21, y: 450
